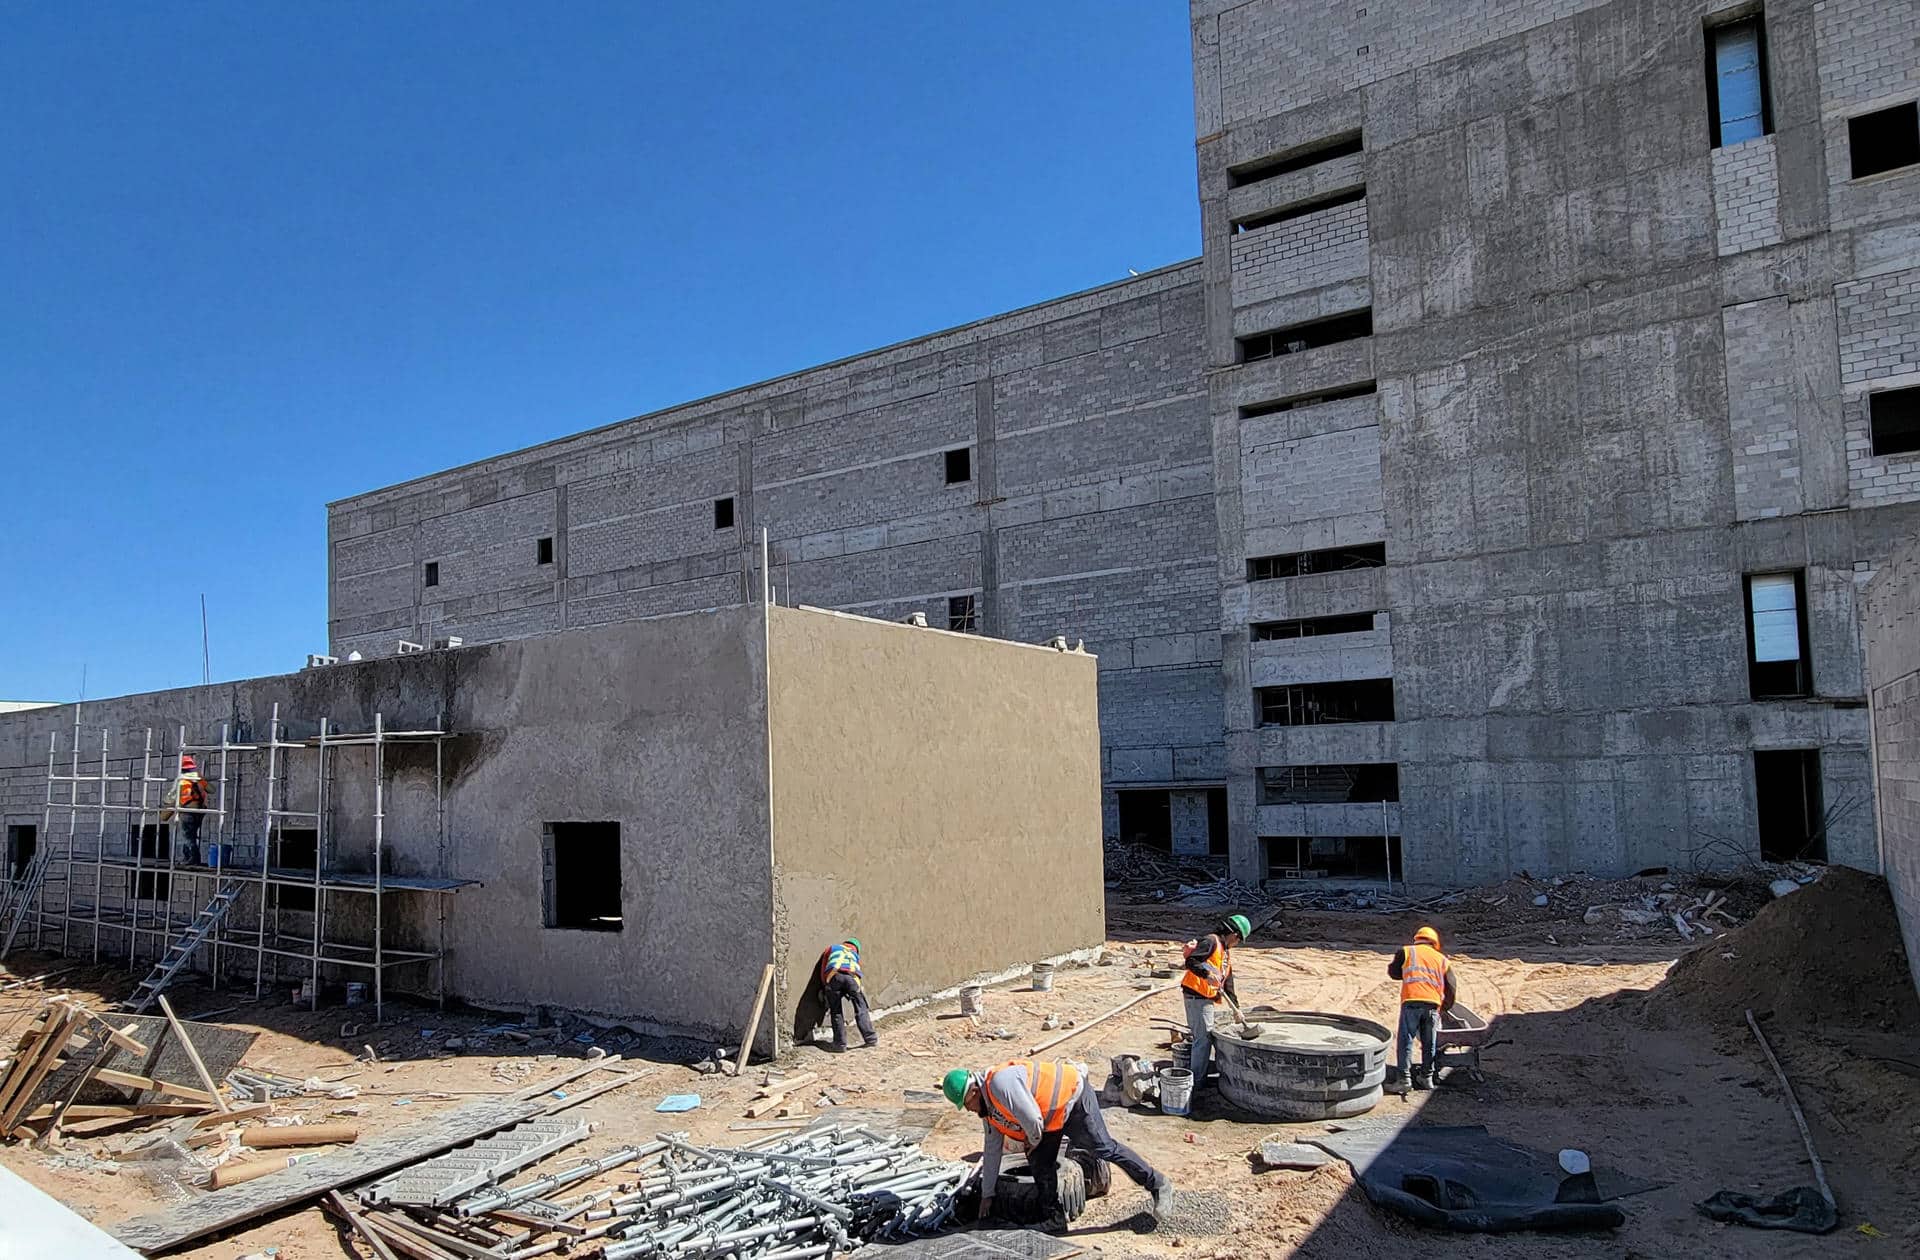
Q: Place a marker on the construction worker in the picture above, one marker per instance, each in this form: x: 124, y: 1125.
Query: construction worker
x: 1041, y: 1103
x: 840, y: 983
x: 188, y: 792
x: 1207, y: 982
x: 1426, y: 989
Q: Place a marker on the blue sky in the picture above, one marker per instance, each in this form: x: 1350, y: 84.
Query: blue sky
x: 255, y: 257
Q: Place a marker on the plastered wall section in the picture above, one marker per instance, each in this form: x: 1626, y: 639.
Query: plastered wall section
x: 1893, y: 669
x: 656, y: 726
x: 935, y: 795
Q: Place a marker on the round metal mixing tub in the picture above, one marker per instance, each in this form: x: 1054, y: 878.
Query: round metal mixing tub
x: 1305, y: 1065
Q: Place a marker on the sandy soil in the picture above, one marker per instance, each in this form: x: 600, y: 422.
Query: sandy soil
x: 1690, y: 1104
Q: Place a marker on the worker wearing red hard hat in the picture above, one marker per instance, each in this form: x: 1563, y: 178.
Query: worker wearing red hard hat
x: 186, y: 803
x: 1426, y: 989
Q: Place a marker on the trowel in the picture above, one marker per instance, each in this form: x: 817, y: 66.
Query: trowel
x: 1247, y: 1030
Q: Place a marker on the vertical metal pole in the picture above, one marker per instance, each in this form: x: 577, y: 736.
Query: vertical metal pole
x: 173, y: 850
x: 320, y: 843
x: 139, y: 862
x: 73, y: 814
x: 220, y: 839
x: 266, y: 842
x: 99, y: 844
x: 440, y: 812
x: 43, y: 847
x: 379, y: 837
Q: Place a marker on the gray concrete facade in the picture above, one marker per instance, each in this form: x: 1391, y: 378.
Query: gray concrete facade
x: 1893, y: 676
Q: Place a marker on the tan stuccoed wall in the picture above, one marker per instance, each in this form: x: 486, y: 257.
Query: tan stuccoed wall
x: 936, y: 795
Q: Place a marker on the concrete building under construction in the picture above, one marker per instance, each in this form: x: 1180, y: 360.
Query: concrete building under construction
x: 1494, y: 492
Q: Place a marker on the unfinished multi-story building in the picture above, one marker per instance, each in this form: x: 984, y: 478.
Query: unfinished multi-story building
x: 1494, y: 493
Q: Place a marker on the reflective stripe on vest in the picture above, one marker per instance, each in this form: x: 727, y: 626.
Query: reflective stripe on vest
x: 1053, y: 1084
x: 841, y: 959
x: 1221, y: 961
x: 1423, y: 975
x: 192, y: 793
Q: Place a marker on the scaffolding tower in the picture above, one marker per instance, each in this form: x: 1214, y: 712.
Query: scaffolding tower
x: 232, y: 872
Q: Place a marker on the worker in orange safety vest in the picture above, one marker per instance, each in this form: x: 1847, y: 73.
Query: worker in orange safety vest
x: 1206, y: 982
x: 185, y: 794
x: 1426, y: 989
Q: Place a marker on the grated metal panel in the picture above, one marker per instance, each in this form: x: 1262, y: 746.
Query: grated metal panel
x: 440, y: 1181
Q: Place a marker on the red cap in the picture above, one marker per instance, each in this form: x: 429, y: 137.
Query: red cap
x: 186, y: 761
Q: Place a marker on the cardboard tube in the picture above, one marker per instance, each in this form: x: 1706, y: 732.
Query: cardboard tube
x: 234, y: 1174
x: 264, y: 1136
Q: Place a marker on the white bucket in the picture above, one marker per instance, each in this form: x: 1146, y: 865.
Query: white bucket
x: 971, y: 999
x: 1043, y: 976
x: 1176, y: 1090
x: 356, y: 993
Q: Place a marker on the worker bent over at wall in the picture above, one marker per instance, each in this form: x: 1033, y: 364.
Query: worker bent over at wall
x: 1207, y: 981
x: 1041, y: 1104
x: 840, y: 982
x: 1426, y: 989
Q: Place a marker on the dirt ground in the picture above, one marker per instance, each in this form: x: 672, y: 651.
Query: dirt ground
x: 1593, y: 1063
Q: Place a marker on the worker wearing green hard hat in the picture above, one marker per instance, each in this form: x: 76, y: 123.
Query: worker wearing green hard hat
x: 1044, y: 1105
x: 1207, y: 982
x: 841, y: 982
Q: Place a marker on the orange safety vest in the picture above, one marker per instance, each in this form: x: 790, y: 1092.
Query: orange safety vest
x: 1221, y: 961
x: 1423, y: 974
x: 1054, y: 1085
x: 192, y: 794
x: 839, y: 959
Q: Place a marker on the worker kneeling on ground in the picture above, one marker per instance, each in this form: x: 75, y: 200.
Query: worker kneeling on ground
x: 840, y: 982
x: 1207, y: 982
x: 1040, y: 1103
x: 1426, y: 989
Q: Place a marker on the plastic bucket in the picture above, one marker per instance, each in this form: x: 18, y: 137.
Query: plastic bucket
x: 1043, y: 976
x: 1176, y: 1090
x: 970, y: 999
x: 356, y: 993
x: 1183, y: 1054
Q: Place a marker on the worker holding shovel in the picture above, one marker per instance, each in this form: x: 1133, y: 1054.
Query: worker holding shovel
x: 1207, y: 982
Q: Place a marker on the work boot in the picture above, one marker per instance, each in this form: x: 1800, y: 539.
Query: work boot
x: 837, y: 1047
x: 1422, y: 1078
x: 1162, y: 1199
x: 873, y: 1043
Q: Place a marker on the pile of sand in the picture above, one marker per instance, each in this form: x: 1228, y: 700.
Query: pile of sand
x: 1829, y: 956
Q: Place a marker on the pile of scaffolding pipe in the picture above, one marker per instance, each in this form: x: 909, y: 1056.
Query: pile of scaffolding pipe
x: 799, y: 1197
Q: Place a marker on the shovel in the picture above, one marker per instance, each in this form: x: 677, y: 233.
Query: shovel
x: 1247, y: 1030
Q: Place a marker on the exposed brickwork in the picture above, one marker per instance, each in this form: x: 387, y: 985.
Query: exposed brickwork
x: 1313, y: 250
x: 1746, y: 195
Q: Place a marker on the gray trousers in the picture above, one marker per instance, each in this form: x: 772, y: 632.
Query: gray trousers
x: 1200, y: 1025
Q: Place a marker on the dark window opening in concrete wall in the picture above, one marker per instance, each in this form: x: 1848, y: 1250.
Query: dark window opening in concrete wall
x: 1315, y: 704
x: 1777, y: 664
x: 582, y: 876
x: 1146, y: 817
x: 1300, y: 210
x: 723, y: 513
x: 1885, y: 140
x: 543, y: 551
x: 1894, y: 415
x: 1217, y: 822
x: 1306, y: 400
x: 959, y: 466
x: 960, y: 615
x: 1738, y: 107
x: 296, y: 849
x: 1311, y: 627
x: 1361, y: 783
x: 1346, y: 857
x: 1295, y: 159
x: 433, y: 573
x: 1302, y: 563
x: 150, y: 843
x: 1308, y: 336
x: 1791, y: 805
x: 22, y: 842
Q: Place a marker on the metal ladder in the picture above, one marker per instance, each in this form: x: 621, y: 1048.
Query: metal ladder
x: 25, y: 895
x: 192, y: 937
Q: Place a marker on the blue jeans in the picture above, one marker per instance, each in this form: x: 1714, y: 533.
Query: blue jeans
x: 1422, y: 1020
x: 1200, y: 1025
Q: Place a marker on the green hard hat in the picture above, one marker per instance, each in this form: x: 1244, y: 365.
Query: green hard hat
x: 854, y: 941
x: 954, y: 1086
x: 1238, y: 922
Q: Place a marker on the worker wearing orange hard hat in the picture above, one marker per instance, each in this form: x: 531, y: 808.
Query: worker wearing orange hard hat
x: 1426, y: 989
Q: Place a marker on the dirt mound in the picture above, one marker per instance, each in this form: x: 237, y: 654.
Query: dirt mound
x: 1829, y: 955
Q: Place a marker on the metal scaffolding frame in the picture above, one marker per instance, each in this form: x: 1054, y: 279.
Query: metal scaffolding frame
x: 270, y: 942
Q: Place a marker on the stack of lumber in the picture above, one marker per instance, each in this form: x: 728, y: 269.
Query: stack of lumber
x: 64, y: 1051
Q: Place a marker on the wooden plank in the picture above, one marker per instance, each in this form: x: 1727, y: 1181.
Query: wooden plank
x: 124, y: 1111
x: 31, y: 1048
x: 242, y: 1112
x: 753, y: 1020
x: 591, y: 1065
x: 574, y: 1100
x: 310, y: 1179
x: 799, y: 1080
x: 193, y: 1056
x: 338, y: 1206
x: 129, y: 1080
x: 1101, y: 1019
x: 38, y: 1072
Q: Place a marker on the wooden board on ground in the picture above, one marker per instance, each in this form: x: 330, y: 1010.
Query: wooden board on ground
x: 223, y: 1209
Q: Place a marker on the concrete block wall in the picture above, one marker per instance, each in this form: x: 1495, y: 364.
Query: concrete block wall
x: 1746, y: 195
x: 1893, y: 669
x: 1309, y: 252
x: 1088, y: 511
x: 1879, y: 349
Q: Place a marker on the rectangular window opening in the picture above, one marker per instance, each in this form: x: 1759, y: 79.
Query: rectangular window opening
x: 1777, y: 664
x: 723, y: 513
x: 152, y: 842
x: 1311, y: 627
x: 1302, y: 563
x: 1300, y: 210
x: 1894, y: 415
x: 960, y: 614
x: 296, y: 851
x: 959, y: 466
x: 543, y: 551
x: 1146, y: 817
x: 22, y: 843
x: 1308, y: 336
x: 1307, y: 400
x: 1343, y: 857
x: 1298, y: 159
x: 1790, y: 805
x: 1363, y: 783
x: 1319, y: 704
x: 1884, y: 140
x: 1738, y: 107
x: 581, y: 881
x: 433, y: 573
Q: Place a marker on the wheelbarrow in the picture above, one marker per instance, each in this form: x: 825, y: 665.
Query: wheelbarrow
x: 1462, y: 1036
